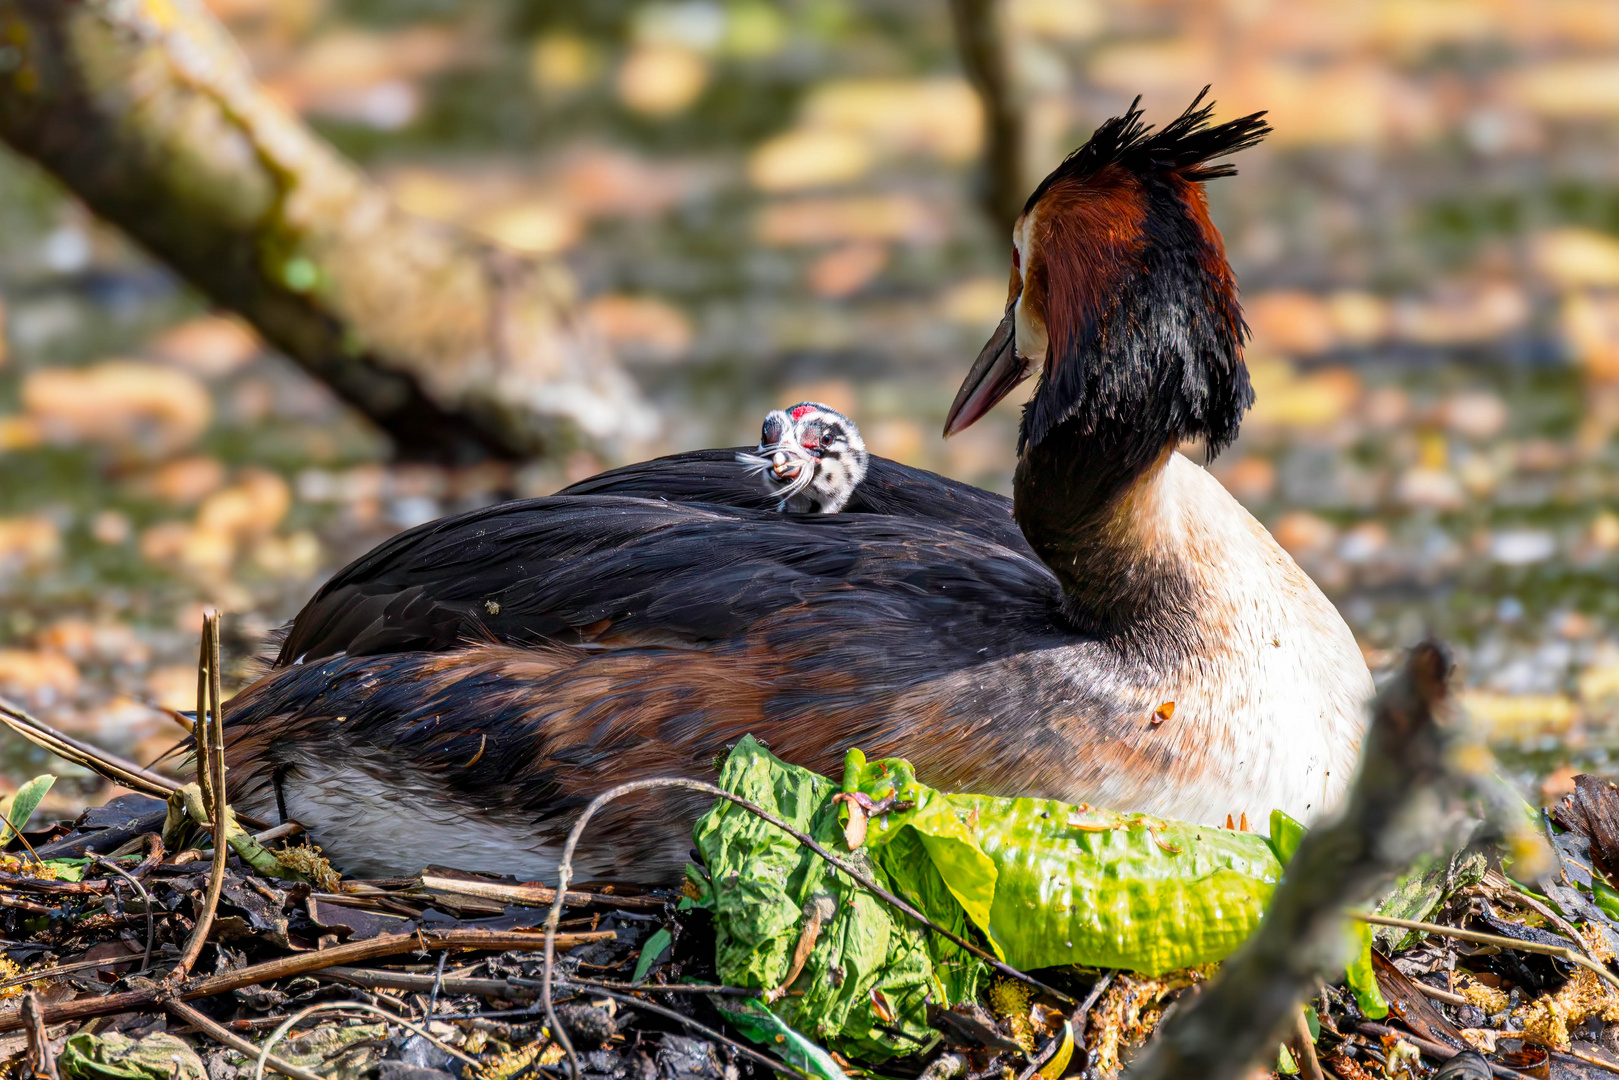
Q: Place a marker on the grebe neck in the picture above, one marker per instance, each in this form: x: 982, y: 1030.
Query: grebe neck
x: 1094, y: 506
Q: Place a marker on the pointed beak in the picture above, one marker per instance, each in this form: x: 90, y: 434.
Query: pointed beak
x: 996, y: 371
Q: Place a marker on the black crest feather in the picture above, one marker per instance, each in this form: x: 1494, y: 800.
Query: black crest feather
x: 1161, y: 359
x: 1185, y: 145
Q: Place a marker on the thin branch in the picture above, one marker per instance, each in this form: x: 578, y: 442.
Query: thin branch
x: 62, y: 969
x: 701, y: 989
x: 533, y: 895
x: 110, y: 766
x: 303, y: 963
x: 860, y: 877
x: 263, y: 1052
x: 702, y: 1029
x: 146, y: 899
x: 1562, y: 952
x: 370, y: 979
x: 1304, y: 1044
x: 214, y: 1030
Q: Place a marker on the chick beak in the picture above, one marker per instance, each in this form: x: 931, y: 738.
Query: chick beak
x: 994, y: 374
x: 784, y: 467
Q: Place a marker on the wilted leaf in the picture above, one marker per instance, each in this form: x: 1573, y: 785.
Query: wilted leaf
x: 115, y: 1056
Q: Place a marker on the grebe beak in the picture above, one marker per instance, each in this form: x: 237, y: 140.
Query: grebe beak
x: 997, y: 370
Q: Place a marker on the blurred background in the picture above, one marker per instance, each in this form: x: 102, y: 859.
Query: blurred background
x: 761, y: 201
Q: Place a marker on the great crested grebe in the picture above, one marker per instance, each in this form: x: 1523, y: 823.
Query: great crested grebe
x: 810, y: 457
x: 1127, y: 637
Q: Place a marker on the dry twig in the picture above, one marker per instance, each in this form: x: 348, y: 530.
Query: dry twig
x: 146, y: 899
x: 303, y: 963
x: 1562, y: 952
x: 39, y: 1040
x: 110, y: 766
x: 211, y: 778
x: 262, y: 1053
x: 701, y: 1028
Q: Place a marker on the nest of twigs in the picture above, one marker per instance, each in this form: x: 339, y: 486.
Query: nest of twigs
x: 137, y: 948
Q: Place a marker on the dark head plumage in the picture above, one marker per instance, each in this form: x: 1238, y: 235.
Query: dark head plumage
x: 1185, y: 145
x: 1121, y: 297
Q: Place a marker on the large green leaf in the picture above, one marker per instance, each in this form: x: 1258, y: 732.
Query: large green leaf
x: 1048, y: 883
x: 1043, y: 883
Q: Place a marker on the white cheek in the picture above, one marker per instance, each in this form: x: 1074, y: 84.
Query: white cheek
x: 1031, y: 336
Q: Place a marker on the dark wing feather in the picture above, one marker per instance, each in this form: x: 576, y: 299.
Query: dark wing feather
x: 618, y: 571
x: 715, y: 476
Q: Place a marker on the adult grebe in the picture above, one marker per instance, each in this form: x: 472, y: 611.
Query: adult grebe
x: 454, y: 696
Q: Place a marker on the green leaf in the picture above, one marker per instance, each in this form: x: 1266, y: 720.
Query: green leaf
x: 654, y: 948
x: 68, y: 869
x: 1362, y: 979
x: 1070, y: 885
x: 24, y: 803
x: 763, y: 1026
x: 1284, y: 1061
x: 1606, y: 898
x: 761, y: 882
x: 1285, y: 836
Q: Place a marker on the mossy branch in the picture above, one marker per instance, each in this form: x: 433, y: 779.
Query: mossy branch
x: 148, y: 112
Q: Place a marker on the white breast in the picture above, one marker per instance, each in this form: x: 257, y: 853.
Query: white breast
x: 1284, y: 687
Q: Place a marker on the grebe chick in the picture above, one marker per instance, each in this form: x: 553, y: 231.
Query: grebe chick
x: 810, y: 457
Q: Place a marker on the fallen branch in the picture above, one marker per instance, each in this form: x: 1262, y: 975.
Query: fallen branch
x: 1396, y: 810
x: 148, y: 112
x: 402, y: 980
x: 304, y: 963
x: 530, y: 895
